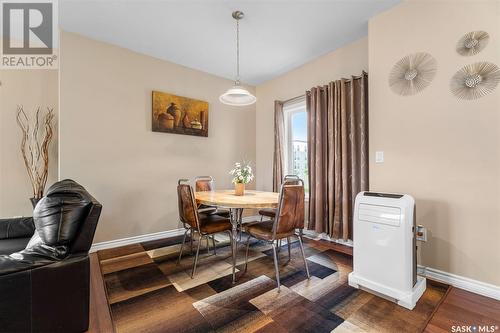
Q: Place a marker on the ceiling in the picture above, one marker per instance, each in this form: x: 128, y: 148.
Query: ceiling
x: 275, y: 35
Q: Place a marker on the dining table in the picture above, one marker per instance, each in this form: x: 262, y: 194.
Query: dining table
x: 227, y: 199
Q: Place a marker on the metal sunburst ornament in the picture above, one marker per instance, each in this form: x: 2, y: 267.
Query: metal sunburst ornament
x: 472, y: 43
x: 475, y: 80
x: 412, y: 74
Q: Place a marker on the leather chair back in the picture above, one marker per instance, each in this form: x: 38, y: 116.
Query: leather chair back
x: 204, y: 184
x: 188, y: 211
x: 84, y: 238
x: 292, y: 180
x: 66, y: 217
x: 290, y: 214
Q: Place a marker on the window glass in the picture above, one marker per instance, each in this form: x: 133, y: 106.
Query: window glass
x: 296, y: 140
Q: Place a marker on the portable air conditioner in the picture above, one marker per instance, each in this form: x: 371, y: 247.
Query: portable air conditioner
x: 384, y: 251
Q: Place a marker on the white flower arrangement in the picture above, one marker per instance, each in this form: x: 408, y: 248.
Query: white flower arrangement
x: 241, y: 174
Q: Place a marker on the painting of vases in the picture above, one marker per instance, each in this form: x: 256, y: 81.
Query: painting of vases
x: 179, y: 115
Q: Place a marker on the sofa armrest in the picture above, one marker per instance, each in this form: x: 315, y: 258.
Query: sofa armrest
x: 16, y: 227
x: 15, y: 303
x: 19, y: 262
x: 50, y: 298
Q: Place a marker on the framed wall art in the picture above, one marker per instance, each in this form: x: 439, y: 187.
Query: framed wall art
x: 179, y: 115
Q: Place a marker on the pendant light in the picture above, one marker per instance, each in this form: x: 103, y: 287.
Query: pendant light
x: 237, y: 95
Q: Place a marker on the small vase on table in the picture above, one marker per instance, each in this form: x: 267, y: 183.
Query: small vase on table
x: 242, y: 174
x: 239, y: 189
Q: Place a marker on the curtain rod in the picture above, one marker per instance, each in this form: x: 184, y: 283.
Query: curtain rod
x: 294, y: 98
x: 355, y: 77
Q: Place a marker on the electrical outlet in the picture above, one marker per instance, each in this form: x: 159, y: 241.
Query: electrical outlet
x: 421, y: 233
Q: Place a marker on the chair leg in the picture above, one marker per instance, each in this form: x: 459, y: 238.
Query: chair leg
x: 213, y: 241
x: 276, y: 265
x: 231, y: 242
x: 303, y: 255
x: 246, y: 253
x: 196, y: 257
x: 289, y: 249
x: 182, y: 246
x: 240, y: 223
x: 208, y: 244
x: 191, y: 236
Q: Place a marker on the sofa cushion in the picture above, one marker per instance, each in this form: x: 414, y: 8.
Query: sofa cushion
x: 11, y: 245
x: 16, y: 227
x: 58, y: 215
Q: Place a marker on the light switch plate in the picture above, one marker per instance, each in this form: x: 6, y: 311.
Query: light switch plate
x: 379, y: 157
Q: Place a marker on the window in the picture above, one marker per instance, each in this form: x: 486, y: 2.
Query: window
x: 296, y: 139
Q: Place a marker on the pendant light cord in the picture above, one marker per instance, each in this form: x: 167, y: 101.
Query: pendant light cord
x: 237, y: 95
x: 237, y: 52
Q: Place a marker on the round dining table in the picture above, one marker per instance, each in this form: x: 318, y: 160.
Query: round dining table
x: 236, y: 204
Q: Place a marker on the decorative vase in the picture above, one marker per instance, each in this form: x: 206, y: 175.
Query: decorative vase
x: 166, y: 121
x: 177, y: 118
x: 203, y: 119
x: 196, y: 125
x: 186, y: 122
x: 239, y: 189
x: 34, y: 201
x: 169, y: 123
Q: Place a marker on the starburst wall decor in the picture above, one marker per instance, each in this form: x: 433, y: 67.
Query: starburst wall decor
x: 472, y: 43
x: 475, y: 80
x: 412, y: 73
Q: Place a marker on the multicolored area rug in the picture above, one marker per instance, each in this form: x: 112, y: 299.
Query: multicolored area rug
x: 148, y: 292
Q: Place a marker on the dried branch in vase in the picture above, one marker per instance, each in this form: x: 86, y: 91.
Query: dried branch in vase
x: 37, y: 134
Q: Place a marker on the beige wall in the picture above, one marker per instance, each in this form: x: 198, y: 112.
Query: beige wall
x: 107, y: 143
x: 30, y: 88
x: 349, y: 60
x: 442, y: 150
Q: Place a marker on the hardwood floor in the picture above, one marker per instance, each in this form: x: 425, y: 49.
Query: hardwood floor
x: 334, y: 246
x: 458, y: 308
x: 463, y: 308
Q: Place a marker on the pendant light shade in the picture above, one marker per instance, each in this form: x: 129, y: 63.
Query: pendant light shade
x: 237, y: 95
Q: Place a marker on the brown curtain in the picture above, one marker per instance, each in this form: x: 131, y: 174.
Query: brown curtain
x: 279, y: 133
x: 337, y: 153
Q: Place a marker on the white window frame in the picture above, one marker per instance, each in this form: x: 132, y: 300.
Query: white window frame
x: 290, y: 108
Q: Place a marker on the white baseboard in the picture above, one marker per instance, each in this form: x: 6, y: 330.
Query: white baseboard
x: 474, y: 286
x: 315, y: 235
x: 250, y: 218
x: 136, y: 239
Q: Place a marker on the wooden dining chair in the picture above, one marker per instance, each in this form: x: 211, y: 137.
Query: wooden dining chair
x: 289, y: 218
x: 198, y: 223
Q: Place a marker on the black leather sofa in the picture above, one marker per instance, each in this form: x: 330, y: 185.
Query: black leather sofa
x: 44, y: 263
